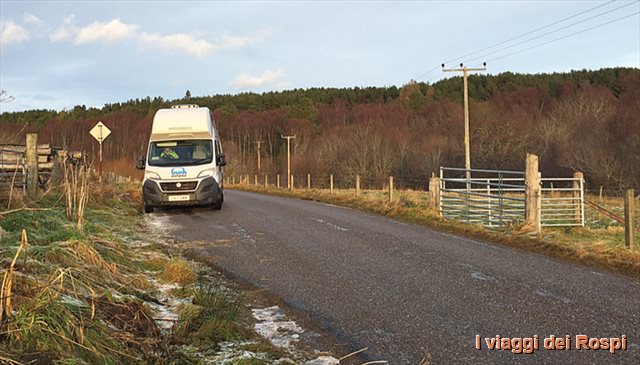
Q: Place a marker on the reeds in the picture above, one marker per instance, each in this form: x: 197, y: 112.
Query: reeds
x: 76, y: 189
x: 7, y: 281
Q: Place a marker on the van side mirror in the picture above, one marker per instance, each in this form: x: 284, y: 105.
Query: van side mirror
x: 221, y: 160
x: 141, y: 163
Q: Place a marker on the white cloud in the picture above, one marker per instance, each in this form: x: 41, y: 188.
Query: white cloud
x: 200, y: 47
x: 182, y: 42
x: 67, y: 30
x: 105, y: 32
x: 269, y: 77
x: 231, y: 41
x: 31, y: 19
x: 11, y: 33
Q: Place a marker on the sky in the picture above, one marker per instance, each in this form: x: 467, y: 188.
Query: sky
x: 59, y: 54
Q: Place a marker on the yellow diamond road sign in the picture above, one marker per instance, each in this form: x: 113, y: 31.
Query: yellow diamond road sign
x: 100, y: 132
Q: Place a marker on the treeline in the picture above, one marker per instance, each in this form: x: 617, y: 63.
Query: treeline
x: 585, y: 121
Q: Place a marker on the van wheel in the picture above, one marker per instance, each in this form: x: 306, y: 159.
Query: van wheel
x: 148, y: 208
x: 218, y: 204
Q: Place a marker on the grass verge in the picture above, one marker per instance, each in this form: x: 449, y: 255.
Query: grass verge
x: 600, y: 248
x: 110, y: 293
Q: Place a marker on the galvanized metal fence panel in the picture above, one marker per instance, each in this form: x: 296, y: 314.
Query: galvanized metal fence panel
x: 493, y: 200
x: 562, y: 202
x: 497, y: 198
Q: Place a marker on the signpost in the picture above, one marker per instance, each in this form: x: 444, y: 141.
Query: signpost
x: 100, y: 132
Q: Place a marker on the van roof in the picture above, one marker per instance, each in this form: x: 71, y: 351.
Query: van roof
x: 182, y: 123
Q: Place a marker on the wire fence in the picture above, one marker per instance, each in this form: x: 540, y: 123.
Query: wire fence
x: 496, y: 199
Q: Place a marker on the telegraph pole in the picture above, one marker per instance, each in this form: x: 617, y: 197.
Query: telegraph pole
x: 288, y: 138
x: 259, y: 143
x: 467, y: 154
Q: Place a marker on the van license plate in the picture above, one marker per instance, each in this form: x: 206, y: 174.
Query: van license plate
x: 178, y: 198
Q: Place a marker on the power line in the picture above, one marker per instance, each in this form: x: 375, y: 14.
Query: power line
x: 563, y: 37
x: 532, y: 31
x: 547, y: 33
x: 527, y: 33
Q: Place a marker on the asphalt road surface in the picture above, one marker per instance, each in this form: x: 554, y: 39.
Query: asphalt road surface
x: 407, y: 292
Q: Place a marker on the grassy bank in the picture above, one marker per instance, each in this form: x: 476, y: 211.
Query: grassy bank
x: 599, y: 246
x: 113, y: 292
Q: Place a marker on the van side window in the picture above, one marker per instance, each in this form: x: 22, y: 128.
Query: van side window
x: 218, y: 149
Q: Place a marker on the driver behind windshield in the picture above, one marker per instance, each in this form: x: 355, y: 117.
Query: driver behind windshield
x: 169, y: 154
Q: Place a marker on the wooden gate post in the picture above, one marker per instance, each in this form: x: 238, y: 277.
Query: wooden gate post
x: 32, y: 166
x: 331, y: 184
x: 577, y: 196
x: 533, y: 194
x: 434, y: 192
x: 629, y: 203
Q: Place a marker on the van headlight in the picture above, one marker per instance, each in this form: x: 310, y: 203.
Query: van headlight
x: 205, y: 173
x: 152, y: 175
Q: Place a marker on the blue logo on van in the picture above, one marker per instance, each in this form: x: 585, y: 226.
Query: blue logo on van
x: 178, y: 172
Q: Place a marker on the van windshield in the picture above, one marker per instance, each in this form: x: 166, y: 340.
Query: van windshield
x: 180, y: 153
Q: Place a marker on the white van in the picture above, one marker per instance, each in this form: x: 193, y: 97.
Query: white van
x: 184, y: 160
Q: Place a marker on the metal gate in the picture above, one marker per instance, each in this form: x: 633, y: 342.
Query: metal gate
x: 496, y: 198
x: 562, y: 202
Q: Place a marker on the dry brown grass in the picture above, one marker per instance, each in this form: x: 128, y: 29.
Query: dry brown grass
x: 123, y: 167
x: 179, y: 272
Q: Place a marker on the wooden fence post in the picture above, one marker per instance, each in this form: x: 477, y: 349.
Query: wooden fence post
x: 233, y: 179
x: 577, y: 195
x: 532, y: 193
x: 600, y: 193
x: 291, y: 183
x: 246, y: 179
x: 357, y: 185
x: 331, y: 184
x: 434, y: 192
x: 255, y: 180
x: 308, y: 181
x: 278, y: 181
x: 390, y: 189
x: 629, y: 234
x: 32, y: 166
x: 266, y: 181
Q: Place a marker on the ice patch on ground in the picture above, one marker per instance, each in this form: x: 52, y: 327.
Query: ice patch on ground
x: 160, y: 224
x: 273, y: 326
x: 323, y: 360
x: 230, y: 352
x: 166, y: 312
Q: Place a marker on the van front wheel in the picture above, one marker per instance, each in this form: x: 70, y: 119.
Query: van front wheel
x: 218, y: 204
x: 148, y: 208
